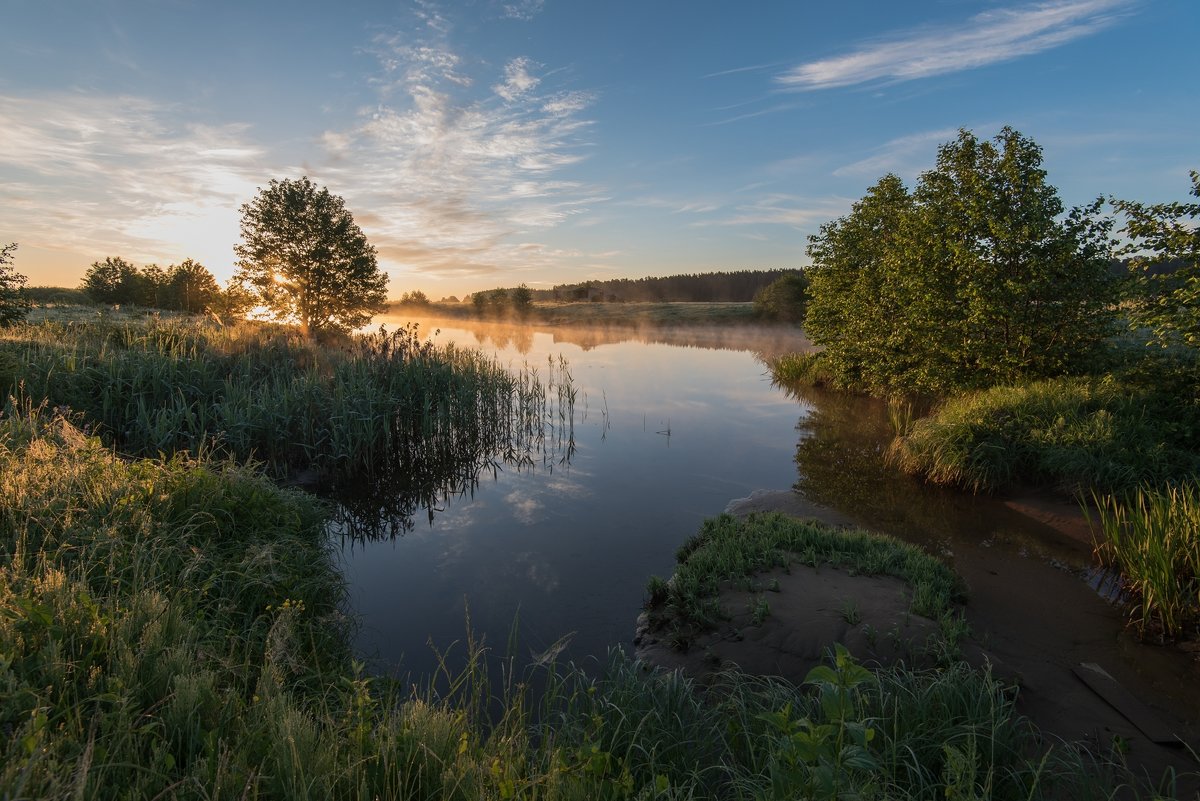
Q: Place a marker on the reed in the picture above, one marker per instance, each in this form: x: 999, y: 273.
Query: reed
x: 1152, y: 537
x: 352, y: 411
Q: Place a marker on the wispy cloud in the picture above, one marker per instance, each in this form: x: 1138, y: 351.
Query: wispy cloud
x: 455, y: 176
x: 123, y: 176
x: 523, y: 9
x: 986, y: 38
x: 905, y: 156
x: 784, y: 209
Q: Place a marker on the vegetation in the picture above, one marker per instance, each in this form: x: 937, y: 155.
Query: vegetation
x: 187, y: 286
x: 56, y: 295
x: 171, y: 628
x: 387, y: 407
x: 306, y: 260
x: 414, y: 298
x: 1076, y: 434
x: 1152, y: 536
x: 969, y: 281
x: 515, y: 302
x: 784, y: 299
x: 1161, y: 236
x: 14, y: 304
x: 727, y: 549
x: 735, y: 286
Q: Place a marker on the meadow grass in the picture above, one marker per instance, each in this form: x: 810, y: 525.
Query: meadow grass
x: 1152, y: 536
x: 727, y: 549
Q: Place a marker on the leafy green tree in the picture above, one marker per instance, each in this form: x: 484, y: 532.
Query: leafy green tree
x: 14, y: 305
x: 855, y: 288
x: 1164, y: 242
x: 149, y: 287
x: 976, y: 278
x: 785, y: 298
x: 113, y: 280
x: 305, y: 258
x: 521, y: 299
x: 190, y: 287
x: 414, y: 298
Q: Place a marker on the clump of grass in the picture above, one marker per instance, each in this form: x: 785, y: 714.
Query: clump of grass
x: 727, y: 549
x: 801, y: 368
x: 1076, y: 433
x: 1152, y: 536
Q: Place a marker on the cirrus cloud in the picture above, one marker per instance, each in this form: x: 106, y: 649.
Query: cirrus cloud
x: 987, y: 38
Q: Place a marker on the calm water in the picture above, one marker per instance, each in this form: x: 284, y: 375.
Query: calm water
x: 665, y: 436
x: 668, y: 428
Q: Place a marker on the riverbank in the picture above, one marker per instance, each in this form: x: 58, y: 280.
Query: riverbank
x: 1011, y: 636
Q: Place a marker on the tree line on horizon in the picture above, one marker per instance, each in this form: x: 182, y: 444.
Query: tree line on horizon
x: 735, y: 286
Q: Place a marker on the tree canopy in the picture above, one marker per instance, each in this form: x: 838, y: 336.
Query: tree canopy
x: 14, y: 305
x: 974, y: 278
x: 187, y: 286
x: 306, y: 260
x: 784, y: 299
x: 1164, y: 242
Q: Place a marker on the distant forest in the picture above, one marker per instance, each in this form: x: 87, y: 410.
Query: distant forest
x: 731, y: 287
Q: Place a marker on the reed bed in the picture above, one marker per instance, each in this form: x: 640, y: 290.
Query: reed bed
x: 380, y: 409
x: 1152, y: 537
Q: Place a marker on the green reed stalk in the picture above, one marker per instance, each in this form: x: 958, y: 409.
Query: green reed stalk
x: 1152, y: 536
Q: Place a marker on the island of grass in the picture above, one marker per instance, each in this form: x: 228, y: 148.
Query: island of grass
x: 772, y: 594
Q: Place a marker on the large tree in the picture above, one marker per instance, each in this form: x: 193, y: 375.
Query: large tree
x: 976, y: 278
x: 1164, y: 242
x: 14, y: 305
x: 306, y: 260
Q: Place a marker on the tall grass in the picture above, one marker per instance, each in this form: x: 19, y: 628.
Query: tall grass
x: 1079, y: 434
x: 1152, y: 536
x: 386, y: 407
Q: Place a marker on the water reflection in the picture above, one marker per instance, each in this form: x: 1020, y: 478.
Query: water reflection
x: 468, y: 429
x: 564, y: 537
x: 842, y: 463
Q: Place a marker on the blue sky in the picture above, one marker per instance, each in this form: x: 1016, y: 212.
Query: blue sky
x: 495, y: 142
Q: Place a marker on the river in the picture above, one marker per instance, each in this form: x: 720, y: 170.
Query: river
x: 668, y: 428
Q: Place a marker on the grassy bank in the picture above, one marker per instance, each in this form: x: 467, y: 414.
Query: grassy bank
x: 386, y: 407
x: 1076, y: 434
x: 171, y: 629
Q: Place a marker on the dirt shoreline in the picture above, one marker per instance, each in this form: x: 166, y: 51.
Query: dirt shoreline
x: 1033, y: 638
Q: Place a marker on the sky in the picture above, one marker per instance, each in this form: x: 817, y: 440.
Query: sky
x: 489, y: 143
